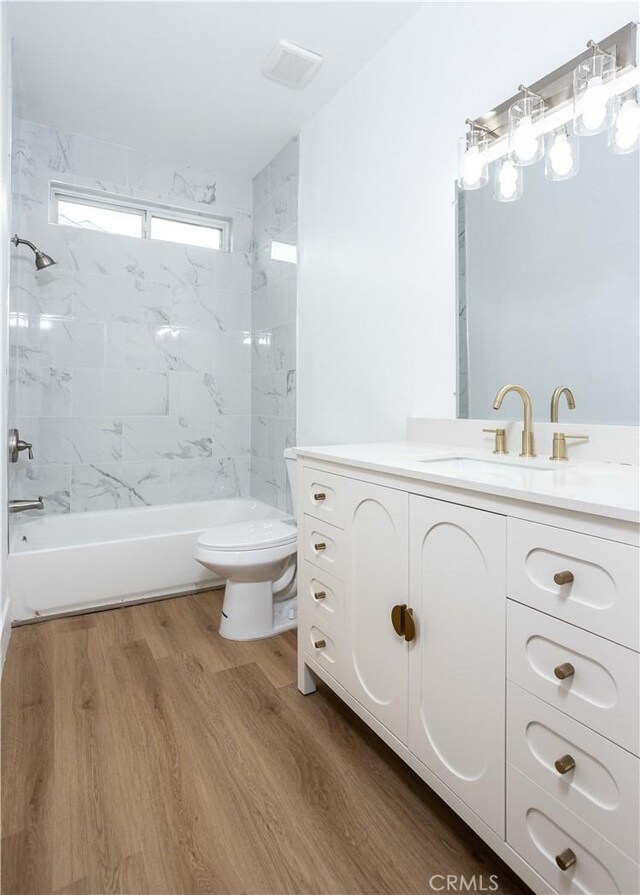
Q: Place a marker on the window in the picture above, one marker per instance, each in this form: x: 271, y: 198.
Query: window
x: 95, y: 210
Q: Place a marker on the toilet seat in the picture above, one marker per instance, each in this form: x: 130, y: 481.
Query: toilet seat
x: 259, y: 534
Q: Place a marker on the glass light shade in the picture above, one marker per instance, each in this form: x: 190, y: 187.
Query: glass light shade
x: 525, y: 135
x: 624, y: 131
x: 593, y: 102
x: 507, y: 180
x: 562, y: 157
x: 473, y: 169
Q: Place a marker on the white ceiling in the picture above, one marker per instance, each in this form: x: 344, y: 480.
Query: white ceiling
x: 183, y: 78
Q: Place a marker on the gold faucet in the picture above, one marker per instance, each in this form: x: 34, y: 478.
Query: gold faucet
x: 555, y: 401
x: 528, y: 446
x: 559, y: 450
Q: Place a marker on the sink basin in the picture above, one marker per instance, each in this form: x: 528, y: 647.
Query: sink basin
x: 474, y: 465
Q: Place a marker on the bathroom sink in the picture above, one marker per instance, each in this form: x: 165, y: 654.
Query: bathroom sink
x: 473, y: 465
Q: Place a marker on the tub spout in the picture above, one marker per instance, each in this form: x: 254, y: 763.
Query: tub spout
x: 19, y: 506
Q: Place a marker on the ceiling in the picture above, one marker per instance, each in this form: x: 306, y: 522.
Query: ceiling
x: 185, y: 77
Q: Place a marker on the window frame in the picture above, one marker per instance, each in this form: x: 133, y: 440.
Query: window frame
x: 145, y: 209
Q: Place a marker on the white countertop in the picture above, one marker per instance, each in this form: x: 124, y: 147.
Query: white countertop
x: 602, y: 489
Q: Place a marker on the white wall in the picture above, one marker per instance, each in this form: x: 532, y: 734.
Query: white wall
x: 376, y: 289
x: 5, y: 199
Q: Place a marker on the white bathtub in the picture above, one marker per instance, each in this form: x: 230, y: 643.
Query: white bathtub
x: 70, y: 563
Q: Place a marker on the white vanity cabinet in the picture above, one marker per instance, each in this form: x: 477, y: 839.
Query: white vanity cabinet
x: 456, y: 663
x: 439, y: 688
x: 360, y: 567
x: 425, y: 607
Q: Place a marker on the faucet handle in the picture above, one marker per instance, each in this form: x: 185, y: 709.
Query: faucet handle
x: 25, y: 446
x: 500, y: 442
x: 559, y: 451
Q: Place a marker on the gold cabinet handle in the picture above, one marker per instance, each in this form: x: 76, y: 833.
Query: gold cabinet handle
x: 565, y: 764
x: 566, y: 859
x: 409, y: 625
x: 319, y: 547
x: 562, y: 672
x: 320, y: 595
x: 402, y: 621
x: 563, y: 577
x: 320, y: 644
x: 320, y: 496
x: 397, y: 618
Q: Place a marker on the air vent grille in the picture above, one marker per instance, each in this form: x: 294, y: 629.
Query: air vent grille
x: 290, y: 65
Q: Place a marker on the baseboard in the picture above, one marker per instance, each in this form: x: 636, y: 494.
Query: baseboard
x: 5, y: 632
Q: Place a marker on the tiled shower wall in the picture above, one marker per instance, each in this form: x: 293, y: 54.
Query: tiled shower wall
x: 131, y: 358
x: 273, y: 303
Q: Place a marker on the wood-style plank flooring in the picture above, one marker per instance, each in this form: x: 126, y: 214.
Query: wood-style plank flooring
x: 142, y: 753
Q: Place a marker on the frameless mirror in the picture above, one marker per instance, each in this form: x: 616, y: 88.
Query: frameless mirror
x: 548, y: 290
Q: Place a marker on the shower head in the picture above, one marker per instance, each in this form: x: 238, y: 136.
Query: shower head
x: 42, y: 260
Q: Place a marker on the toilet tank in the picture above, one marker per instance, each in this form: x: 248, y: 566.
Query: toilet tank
x: 290, y: 462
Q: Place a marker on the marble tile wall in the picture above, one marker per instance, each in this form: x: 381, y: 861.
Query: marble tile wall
x: 273, y: 327
x: 130, y: 359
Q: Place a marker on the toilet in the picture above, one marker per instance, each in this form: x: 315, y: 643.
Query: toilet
x: 258, y: 560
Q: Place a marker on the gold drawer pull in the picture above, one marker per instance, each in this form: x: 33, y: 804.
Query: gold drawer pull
x: 564, y: 671
x: 566, y: 860
x: 319, y: 547
x: 320, y: 496
x: 320, y: 595
x: 565, y: 764
x: 320, y: 644
x: 563, y: 577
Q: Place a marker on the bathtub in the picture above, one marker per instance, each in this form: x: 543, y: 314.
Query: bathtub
x: 74, y: 562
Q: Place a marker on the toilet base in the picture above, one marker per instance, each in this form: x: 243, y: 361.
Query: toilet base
x: 249, y: 611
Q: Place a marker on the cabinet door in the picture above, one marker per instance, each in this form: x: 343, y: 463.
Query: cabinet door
x: 376, y: 579
x: 457, y: 661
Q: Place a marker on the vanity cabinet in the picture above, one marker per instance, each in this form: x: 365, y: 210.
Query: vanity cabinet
x: 352, y: 576
x: 495, y: 648
x: 437, y: 686
x: 456, y: 664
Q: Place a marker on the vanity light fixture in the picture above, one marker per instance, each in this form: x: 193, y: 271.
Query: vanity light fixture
x: 596, y: 91
x: 525, y: 119
x: 624, y: 132
x: 507, y: 180
x: 473, y: 167
x: 562, y: 159
x: 593, y: 101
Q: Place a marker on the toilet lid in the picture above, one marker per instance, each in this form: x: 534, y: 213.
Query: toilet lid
x: 248, y: 535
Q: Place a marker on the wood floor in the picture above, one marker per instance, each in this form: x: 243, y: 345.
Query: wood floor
x: 141, y: 753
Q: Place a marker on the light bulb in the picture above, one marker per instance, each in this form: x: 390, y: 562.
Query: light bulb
x: 561, y: 156
x: 629, y: 115
x: 525, y: 141
x: 508, y: 179
x: 627, y: 124
x: 594, y: 103
x: 472, y: 166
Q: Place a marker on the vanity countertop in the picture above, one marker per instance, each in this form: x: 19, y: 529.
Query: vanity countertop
x: 601, y: 489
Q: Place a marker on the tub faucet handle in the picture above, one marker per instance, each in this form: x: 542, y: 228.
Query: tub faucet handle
x: 16, y: 444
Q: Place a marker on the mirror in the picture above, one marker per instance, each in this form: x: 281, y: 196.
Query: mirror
x: 548, y: 290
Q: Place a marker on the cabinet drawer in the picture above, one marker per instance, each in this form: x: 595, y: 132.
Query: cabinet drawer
x: 539, y: 829
x: 603, y: 595
x: 602, y: 787
x: 321, y: 597
x: 324, y: 648
x: 602, y: 691
x: 324, y: 546
x: 324, y: 496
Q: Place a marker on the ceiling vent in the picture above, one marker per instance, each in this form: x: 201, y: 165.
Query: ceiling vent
x: 290, y: 65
